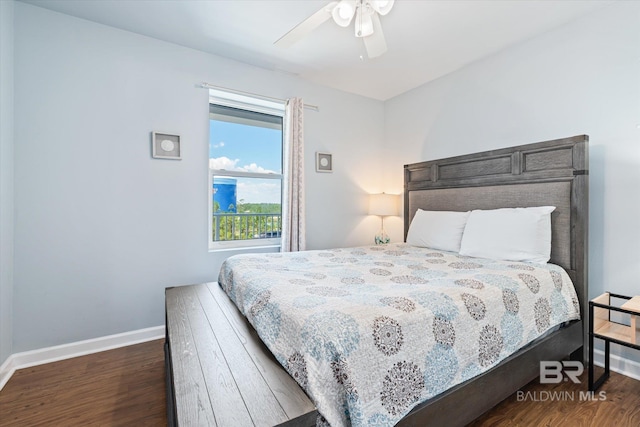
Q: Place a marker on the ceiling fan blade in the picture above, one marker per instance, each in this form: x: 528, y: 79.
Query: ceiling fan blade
x: 375, y: 44
x: 301, y: 30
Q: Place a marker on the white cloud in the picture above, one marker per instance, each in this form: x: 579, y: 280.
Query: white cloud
x: 255, y: 168
x: 223, y: 163
x: 232, y: 165
x: 219, y: 145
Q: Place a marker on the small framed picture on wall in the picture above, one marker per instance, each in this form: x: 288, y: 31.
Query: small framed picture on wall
x: 165, y: 146
x: 324, y: 162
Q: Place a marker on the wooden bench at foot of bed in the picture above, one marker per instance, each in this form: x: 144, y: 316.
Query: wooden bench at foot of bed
x: 218, y: 371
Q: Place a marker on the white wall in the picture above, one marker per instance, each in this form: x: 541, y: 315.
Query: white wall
x: 583, y: 78
x: 6, y: 179
x: 101, y: 228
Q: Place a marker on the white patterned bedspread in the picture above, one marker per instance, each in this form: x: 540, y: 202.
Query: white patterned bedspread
x: 370, y: 332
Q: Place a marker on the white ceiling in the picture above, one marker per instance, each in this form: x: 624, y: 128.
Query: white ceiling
x: 426, y: 38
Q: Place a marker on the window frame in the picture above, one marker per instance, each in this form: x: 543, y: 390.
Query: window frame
x: 258, y: 105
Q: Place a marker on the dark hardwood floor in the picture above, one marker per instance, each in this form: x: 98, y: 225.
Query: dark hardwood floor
x: 121, y: 387
x: 125, y: 387
x: 616, y: 403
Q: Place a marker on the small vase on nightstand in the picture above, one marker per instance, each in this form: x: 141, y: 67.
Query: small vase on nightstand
x: 382, y: 238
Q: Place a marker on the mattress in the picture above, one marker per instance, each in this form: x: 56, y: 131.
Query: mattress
x: 370, y: 332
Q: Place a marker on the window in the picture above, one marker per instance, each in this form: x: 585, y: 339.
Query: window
x: 245, y: 171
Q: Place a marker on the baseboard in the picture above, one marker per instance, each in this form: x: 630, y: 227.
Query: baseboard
x: 629, y: 368
x: 67, y: 351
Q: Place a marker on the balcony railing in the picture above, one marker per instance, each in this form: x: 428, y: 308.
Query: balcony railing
x: 245, y: 226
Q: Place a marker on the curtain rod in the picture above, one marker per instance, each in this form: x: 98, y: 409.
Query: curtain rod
x: 206, y: 85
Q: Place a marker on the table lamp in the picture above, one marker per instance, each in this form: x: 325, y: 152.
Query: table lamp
x: 383, y: 205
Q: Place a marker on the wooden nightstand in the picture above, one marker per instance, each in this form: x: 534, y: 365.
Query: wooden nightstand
x: 601, y: 326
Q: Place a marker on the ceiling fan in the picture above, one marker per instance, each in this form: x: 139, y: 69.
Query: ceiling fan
x: 367, y: 23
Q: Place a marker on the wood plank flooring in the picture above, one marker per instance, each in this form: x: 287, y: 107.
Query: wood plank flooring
x: 125, y: 387
x: 120, y: 387
x: 616, y: 403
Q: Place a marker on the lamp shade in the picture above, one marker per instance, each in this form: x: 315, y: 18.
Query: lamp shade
x: 383, y: 204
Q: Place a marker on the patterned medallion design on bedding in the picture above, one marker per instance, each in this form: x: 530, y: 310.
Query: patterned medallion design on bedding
x: 371, y: 332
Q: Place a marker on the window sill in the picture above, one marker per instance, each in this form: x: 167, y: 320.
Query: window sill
x: 240, y: 245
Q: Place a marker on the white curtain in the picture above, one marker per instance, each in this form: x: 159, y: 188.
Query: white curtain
x: 293, y: 225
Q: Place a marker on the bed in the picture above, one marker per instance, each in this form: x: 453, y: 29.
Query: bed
x: 547, y: 173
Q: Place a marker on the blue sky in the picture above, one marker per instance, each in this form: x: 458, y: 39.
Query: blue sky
x: 249, y: 148
x: 246, y: 145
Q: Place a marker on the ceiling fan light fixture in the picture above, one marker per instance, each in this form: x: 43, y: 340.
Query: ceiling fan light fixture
x: 343, y: 12
x: 364, y: 22
x: 367, y: 23
x: 382, y: 6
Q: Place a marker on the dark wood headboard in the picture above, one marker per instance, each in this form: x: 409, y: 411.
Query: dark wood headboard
x: 548, y: 173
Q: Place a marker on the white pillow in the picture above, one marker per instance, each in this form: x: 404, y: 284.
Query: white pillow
x: 513, y: 234
x: 437, y: 229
